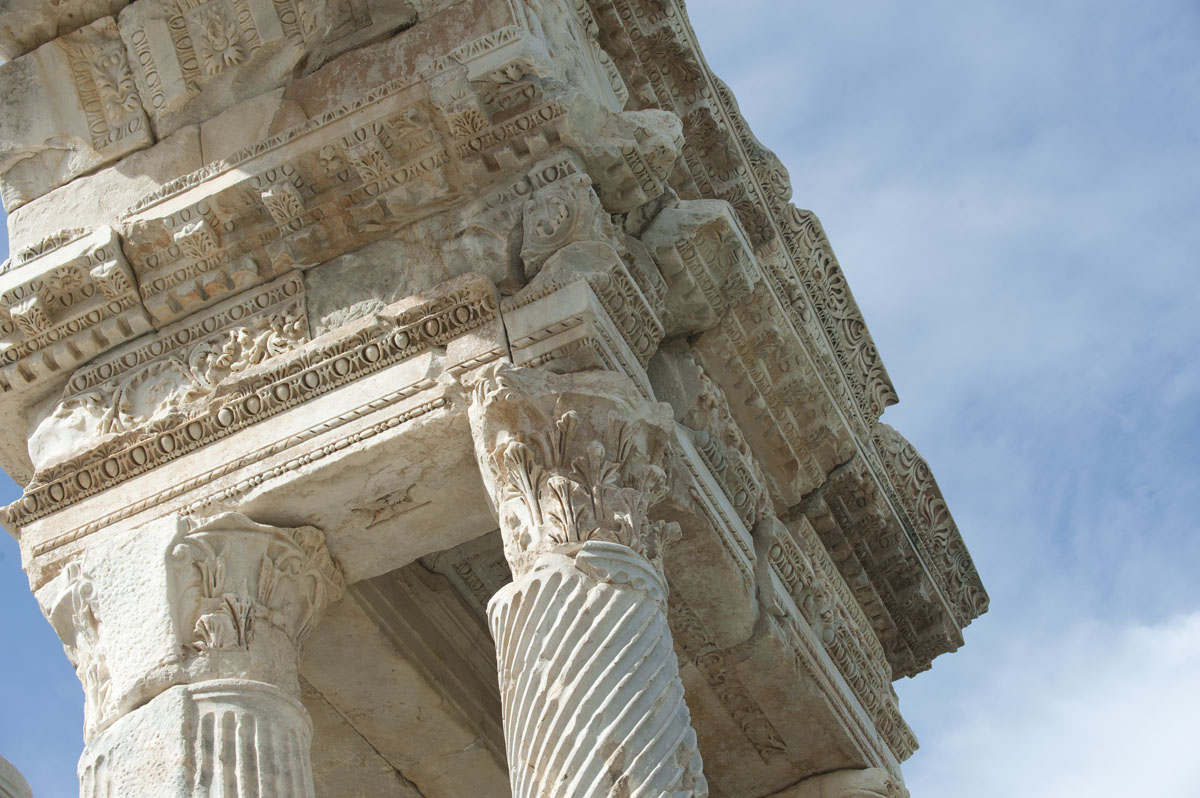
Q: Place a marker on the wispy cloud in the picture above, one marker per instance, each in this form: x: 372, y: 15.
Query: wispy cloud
x: 1095, y: 711
x: 1013, y: 189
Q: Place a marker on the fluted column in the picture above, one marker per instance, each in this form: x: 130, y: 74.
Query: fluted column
x: 593, y: 704
x: 185, y: 634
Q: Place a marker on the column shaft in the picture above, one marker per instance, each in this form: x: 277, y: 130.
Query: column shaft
x: 592, y: 699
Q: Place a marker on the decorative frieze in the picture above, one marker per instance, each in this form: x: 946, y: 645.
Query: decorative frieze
x: 656, y: 50
x: 711, y: 660
x: 349, y: 177
x: 193, y: 58
x: 781, y: 406
x: 64, y: 302
x: 180, y: 366
x: 98, y: 115
x: 798, y: 558
x: 877, y: 554
x: 290, y: 379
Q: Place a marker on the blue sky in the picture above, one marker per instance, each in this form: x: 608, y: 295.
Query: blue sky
x: 1013, y: 190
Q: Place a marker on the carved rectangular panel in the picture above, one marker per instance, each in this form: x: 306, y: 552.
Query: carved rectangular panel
x: 172, y: 372
x: 98, y: 117
x: 193, y: 58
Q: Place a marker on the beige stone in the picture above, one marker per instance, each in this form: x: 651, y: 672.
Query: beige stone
x: 27, y: 24
x: 101, y: 199
x: 451, y: 402
x: 98, y: 115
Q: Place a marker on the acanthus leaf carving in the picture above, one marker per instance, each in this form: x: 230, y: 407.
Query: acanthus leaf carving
x: 564, y: 477
x: 234, y: 575
x: 74, y: 615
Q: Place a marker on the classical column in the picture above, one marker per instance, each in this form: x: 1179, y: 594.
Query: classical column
x: 185, y: 634
x: 593, y: 704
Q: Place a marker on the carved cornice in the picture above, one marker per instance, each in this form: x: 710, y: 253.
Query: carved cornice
x: 926, y: 509
x: 654, y: 46
x: 799, y: 559
x: 63, y: 301
x: 278, y: 384
x: 711, y: 660
x: 890, y: 568
x: 163, y: 375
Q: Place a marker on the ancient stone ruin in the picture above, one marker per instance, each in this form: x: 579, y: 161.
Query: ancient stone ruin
x: 443, y: 398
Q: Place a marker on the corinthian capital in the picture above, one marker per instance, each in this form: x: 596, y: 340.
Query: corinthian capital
x: 237, y: 579
x: 183, y: 601
x: 569, y: 459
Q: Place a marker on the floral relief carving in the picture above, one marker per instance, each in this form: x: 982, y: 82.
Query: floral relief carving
x: 927, y: 510
x: 166, y: 385
x: 235, y: 575
x: 563, y: 477
x: 73, y: 614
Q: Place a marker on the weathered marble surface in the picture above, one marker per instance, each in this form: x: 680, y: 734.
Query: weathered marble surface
x: 495, y: 314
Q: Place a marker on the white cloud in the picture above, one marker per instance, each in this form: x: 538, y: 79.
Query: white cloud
x: 1098, y: 711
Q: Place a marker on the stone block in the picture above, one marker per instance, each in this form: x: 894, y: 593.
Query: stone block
x: 64, y: 303
x: 25, y: 25
x: 85, y: 77
x: 706, y: 260
x: 101, y: 198
x: 193, y: 59
x: 350, y: 24
x: 166, y: 373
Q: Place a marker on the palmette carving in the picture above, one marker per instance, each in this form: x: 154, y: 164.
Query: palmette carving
x: 927, y: 510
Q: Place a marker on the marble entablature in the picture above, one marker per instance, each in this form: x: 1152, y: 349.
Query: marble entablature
x: 480, y: 339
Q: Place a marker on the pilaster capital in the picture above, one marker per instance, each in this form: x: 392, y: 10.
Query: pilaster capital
x: 186, y: 600
x: 570, y: 459
x: 239, y: 584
